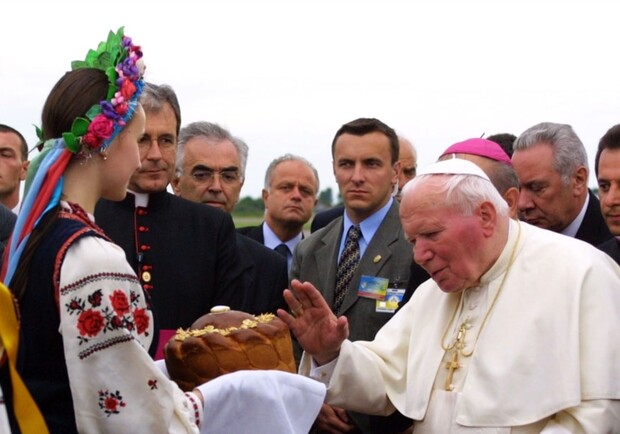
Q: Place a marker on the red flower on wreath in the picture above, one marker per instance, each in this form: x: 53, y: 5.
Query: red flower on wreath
x: 99, y: 130
x: 127, y: 89
x: 119, y: 301
x: 90, y: 323
x: 142, y: 320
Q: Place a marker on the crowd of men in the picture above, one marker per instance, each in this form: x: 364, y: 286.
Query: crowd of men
x: 404, y: 298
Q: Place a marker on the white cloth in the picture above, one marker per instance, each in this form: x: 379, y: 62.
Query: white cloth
x: 551, y: 346
x: 115, y: 385
x: 4, y: 419
x: 261, y: 402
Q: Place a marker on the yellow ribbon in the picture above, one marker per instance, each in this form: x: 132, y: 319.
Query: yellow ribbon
x: 26, y: 411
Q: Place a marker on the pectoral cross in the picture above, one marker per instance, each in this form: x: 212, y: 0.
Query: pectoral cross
x: 453, y: 364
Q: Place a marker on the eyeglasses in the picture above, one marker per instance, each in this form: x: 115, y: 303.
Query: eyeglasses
x: 227, y: 176
x: 164, y: 142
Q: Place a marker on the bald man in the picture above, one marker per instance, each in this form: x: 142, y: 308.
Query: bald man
x: 408, y: 160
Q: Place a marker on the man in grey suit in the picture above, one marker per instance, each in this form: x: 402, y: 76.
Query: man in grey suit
x: 365, y: 163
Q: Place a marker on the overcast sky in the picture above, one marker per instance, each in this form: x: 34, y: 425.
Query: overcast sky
x: 284, y: 76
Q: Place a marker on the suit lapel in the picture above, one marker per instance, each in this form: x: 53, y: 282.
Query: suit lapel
x: 326, y: 257
x: 377, y: 255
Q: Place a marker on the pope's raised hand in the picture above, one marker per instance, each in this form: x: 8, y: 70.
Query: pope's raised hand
x: 319, y: 332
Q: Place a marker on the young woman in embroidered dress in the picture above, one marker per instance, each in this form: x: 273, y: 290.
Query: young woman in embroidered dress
x: 85, y: 323
x: 84, y: 320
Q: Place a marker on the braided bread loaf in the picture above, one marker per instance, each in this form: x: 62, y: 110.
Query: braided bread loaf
x: 225, y: 341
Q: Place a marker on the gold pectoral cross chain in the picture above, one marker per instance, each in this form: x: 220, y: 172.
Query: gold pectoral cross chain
x: 453, y: 364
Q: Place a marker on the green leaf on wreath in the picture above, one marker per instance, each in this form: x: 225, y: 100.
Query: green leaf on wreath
x: 79, y: 126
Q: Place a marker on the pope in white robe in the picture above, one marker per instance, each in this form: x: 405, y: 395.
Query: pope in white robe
x: 518, y: 331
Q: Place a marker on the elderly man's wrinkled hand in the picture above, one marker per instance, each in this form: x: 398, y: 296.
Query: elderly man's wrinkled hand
x: 317, y: 329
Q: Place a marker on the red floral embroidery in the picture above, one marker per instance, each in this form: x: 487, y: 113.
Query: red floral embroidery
x: 153, y: 384
x: 119, y: 302
x: 123, y: 313
x: 142, y: 320
x: 90, y: 323
x: 95, y: 298
x: 110, y: 403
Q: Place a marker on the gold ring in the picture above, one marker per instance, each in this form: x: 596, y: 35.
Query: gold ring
x: 299, y: 311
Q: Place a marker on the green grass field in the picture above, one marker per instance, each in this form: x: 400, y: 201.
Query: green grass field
x: 242, y: 221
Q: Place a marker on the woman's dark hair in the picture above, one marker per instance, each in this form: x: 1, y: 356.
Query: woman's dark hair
x: 71, y: 97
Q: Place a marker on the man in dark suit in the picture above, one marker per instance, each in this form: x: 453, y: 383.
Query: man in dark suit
x: 365, y: 159
x: 7, y: 222
x: 552, y: 166
x: 210, y: 169
x: 183, y: 253
x: 290, y: 194
x: 607, y: 169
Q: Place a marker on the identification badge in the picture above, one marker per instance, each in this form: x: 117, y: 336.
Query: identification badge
x: 393, y: 298
x: 373, y: 287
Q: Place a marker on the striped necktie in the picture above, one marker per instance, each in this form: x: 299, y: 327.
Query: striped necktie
x: 348, y: 264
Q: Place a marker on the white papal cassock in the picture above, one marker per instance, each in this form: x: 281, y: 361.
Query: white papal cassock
x: 547, y: 359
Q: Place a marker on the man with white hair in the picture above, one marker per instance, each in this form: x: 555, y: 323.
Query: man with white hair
x: 491, y: 343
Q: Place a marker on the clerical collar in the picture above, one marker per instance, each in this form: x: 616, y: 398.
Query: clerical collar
x: 140, y: 199
x: 573, y: 227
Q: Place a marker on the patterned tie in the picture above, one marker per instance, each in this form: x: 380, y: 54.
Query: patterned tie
x: 282, y: 249
x: 348, y: 264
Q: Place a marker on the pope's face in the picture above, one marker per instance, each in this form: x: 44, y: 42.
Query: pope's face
x: 445, y: 243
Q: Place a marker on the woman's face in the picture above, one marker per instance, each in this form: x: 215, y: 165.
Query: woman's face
x: 123, y: 158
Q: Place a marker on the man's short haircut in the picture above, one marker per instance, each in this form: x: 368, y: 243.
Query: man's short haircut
x: 289, y: 157
x: 504, y: 140
x: 568, y: 150
x: 363, y: 126
x: 23, y: 145
x: 211, y: 131
x: 611, y: 140
x: 155, y: 96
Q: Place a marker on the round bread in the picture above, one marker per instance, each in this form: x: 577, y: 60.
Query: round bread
x: 225, y: 341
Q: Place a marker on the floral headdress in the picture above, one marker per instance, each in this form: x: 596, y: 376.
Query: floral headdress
x: 121, y: 61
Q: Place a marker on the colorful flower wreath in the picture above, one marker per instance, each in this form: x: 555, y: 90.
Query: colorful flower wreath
x: 122, y: 64
x: 121, y: 61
